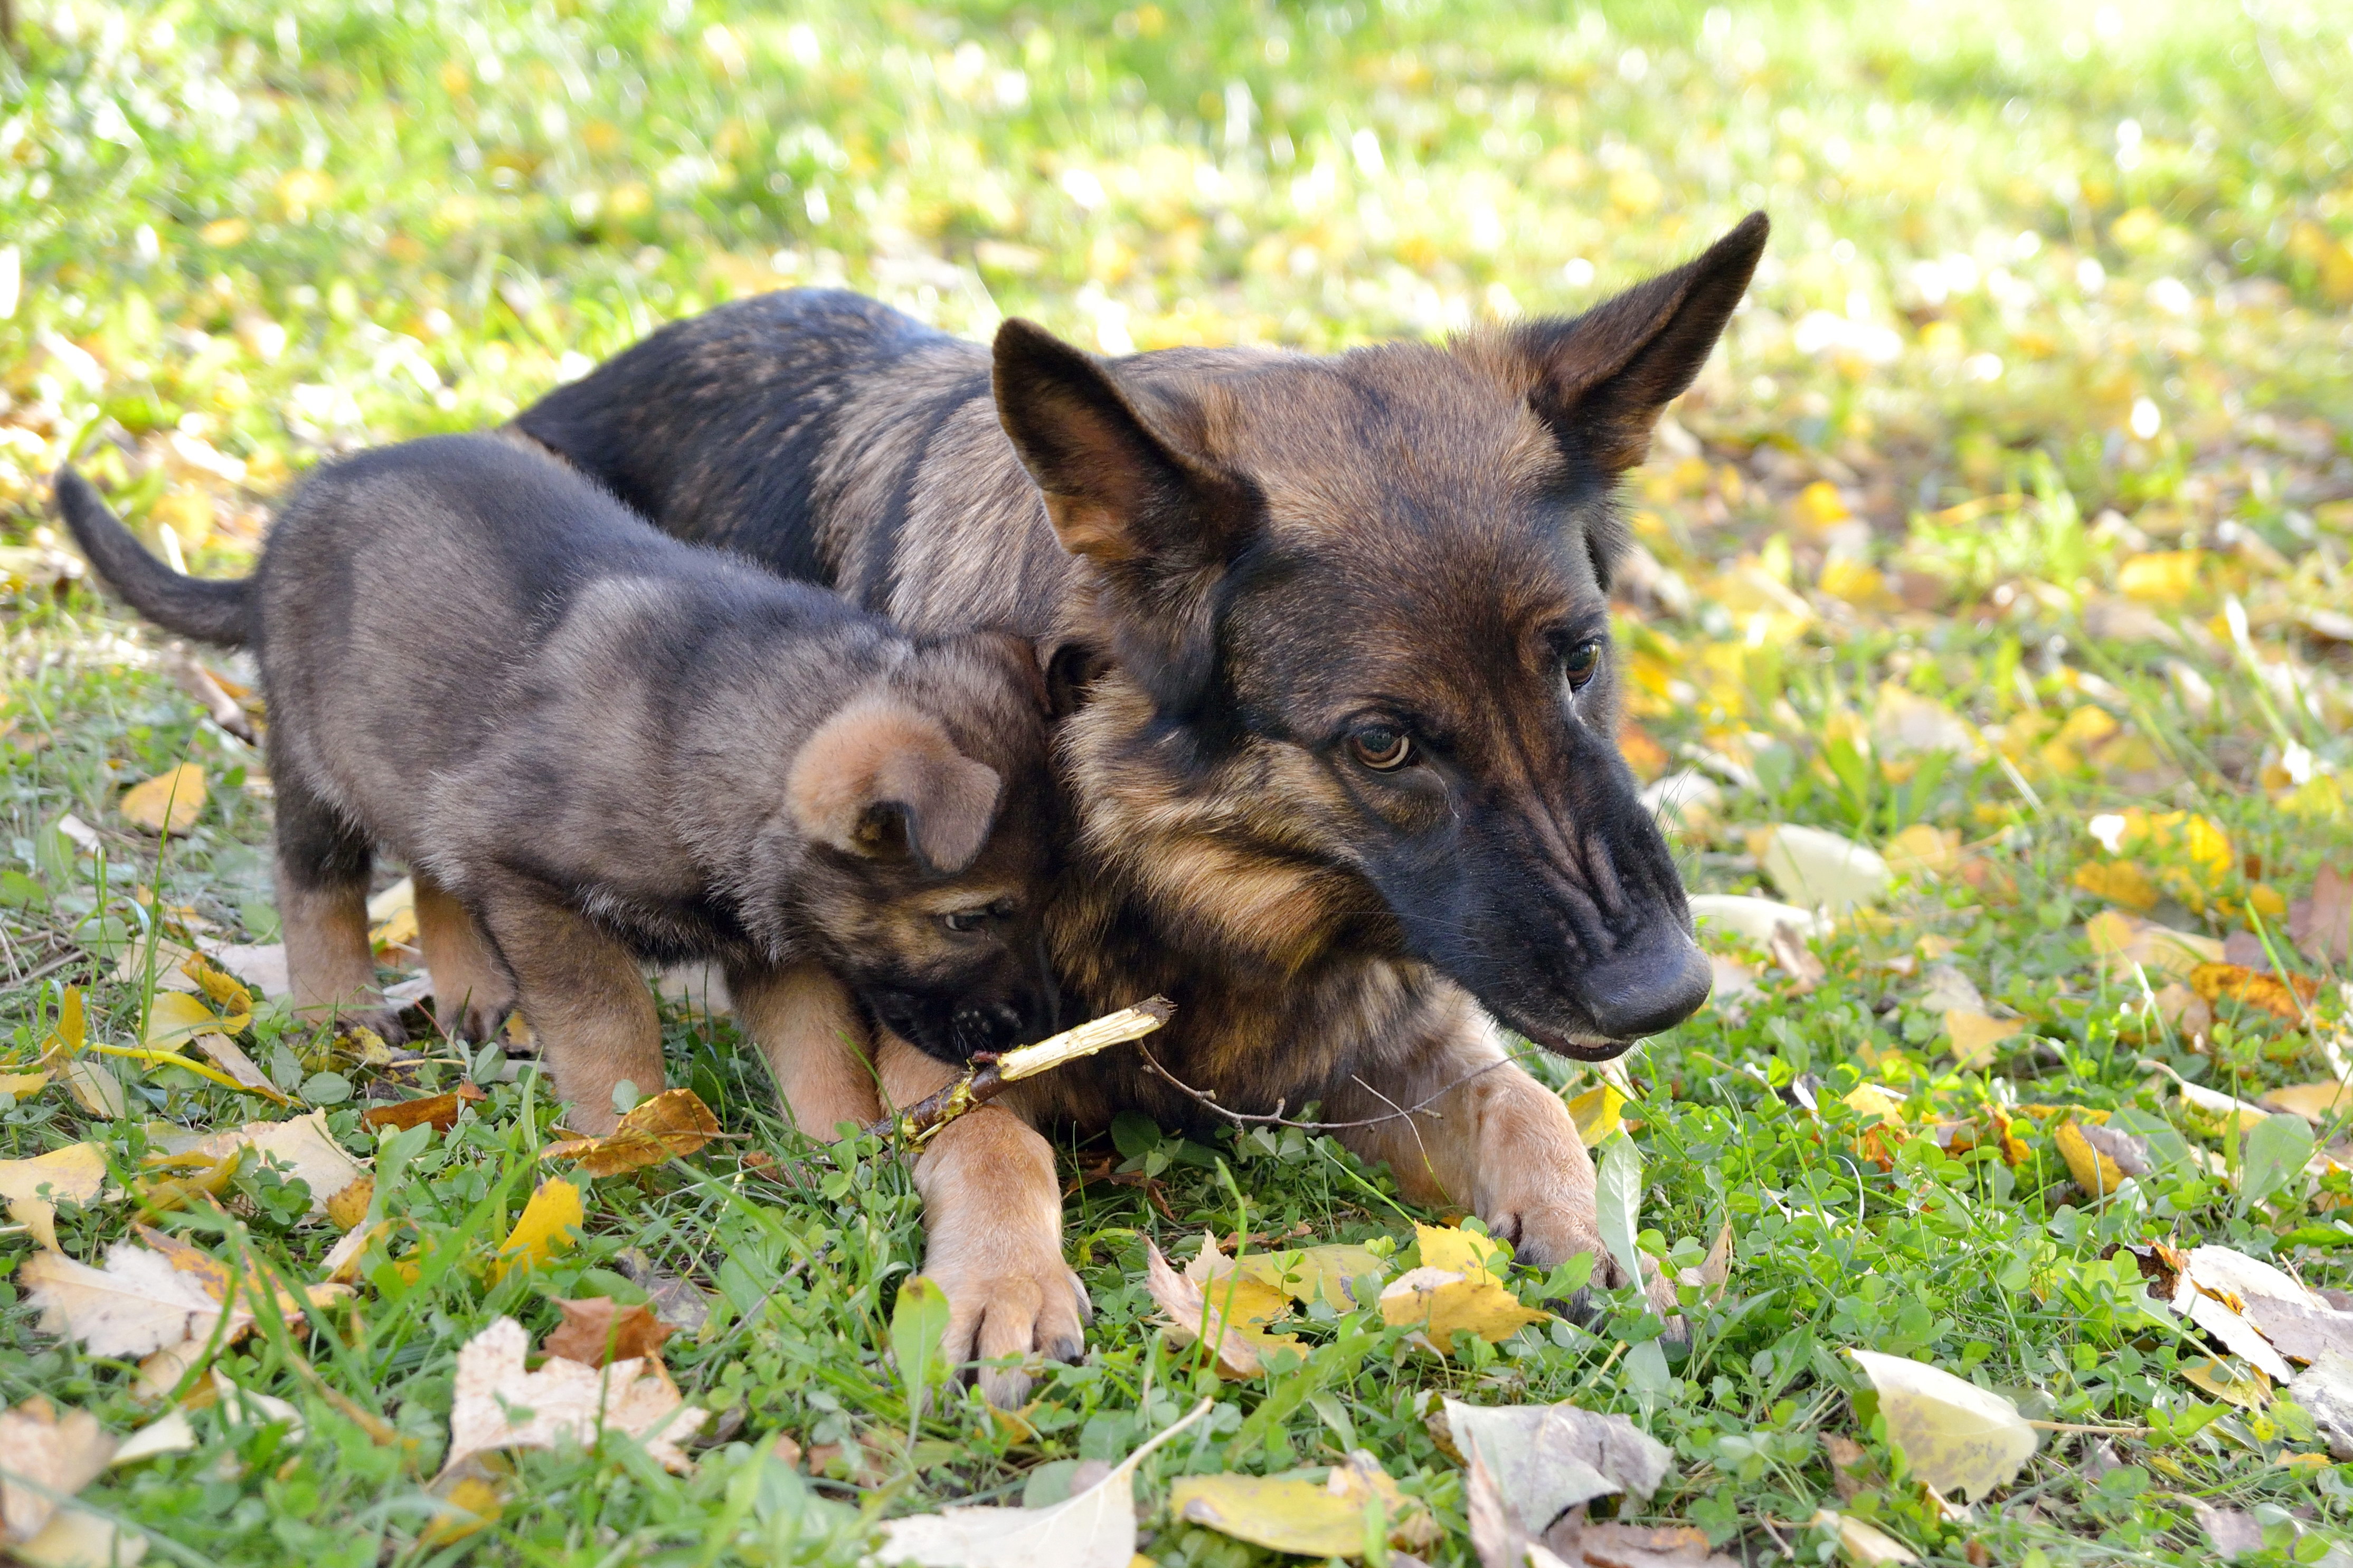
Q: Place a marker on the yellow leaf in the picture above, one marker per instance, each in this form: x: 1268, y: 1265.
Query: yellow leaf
x: 1866, y: 1545
x: 1598, y: 1112
x: 1974, y: 1037
x: 1875, y: 1104
x: 1237, y: 1294
x: 70, y: 1031
x: 1313, y: 1273
x: 168, y: 803
x: 2161, y: 577
x: 1440, y: 1304
x: 2286, y: 999
x: 1819, y: 505
x: 1955, y: 1436
x: 673, y: 1122
x: 348, y: 1207
x: 1193, y: 1313
x: 2119, y: 882
x: 95, y: 1090
x: 2230, y: 1384
x: 174, y: 1017
x: 76, y: 1171
x: 2315, y: 1102
x: 223, y: 232
x: 303, y: 1145
x: 473, y: 1504
x: 1463, y: 1251
x: 18, y: 1085
x: 225, y: 990
x: 1285, y: 1513
x: 2094, y: 1171
x: 1924, y: 850
x: 2124, y: 941
x: 540, y: 1230
x: 1858, y: 582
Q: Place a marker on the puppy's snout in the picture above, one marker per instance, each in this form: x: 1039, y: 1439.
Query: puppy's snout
x: 985, y: 1026
x: 1650, y: 987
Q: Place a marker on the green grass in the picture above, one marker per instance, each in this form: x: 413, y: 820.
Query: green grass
x: 2042, y: 264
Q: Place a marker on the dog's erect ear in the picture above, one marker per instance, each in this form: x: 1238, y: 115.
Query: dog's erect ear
x: 883, y: 780
x: 1121, y: 485
x: 1128, y: 488
x: 1601, y: 379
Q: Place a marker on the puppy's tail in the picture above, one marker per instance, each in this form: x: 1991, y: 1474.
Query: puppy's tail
x: 214, y: 611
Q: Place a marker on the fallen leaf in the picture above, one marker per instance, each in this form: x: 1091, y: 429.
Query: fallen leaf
x: 136, y: 1304
x: 2231, y: 1385
x: 2229, y: 1530
x: 543, y: 1229
x: 1974, y: 1037
x: 1498, y: 1540
x: 1924, y: 850
x: 470, y: 1505
x: 175, y: 1017
x: 302, y: 1145
x: 1286, y: 1513
x: 599, y: 1330
x: 671, y: 1123
x: 261, y: 966
x: 233, y: 1061
x: 1951, y: 991
x: 1955, y: 1435
x: 77, y: 1172
x: 1464, y: 1252
x: 168, y: 803
x: 1240, y: 1295
x: 1545, y: 1459
x: 439, y: 1110
x: 170, y: 961
x: 1190, y: 1314
x: 2322, y: 925
x: 1440, y: 1303
x: 675, y: 1301
x: 2315, y: 1102
x: 1310, y: 1274
x: 1598, y: 1112
x: 499, y: 1405
x: 58, y: 1454
x: 2124, y: 941
x: 1863, y: 1543
x: 1820, y: 869
x: 2094, y: 1171
x: 1095, y: 1529
x: 1617, y: 1545
x: 351, y: 1205
x: 2218, y: 1284
x: 1790, y: 954
x: 2239, y: 1336
x: 76, y: 1539
x: 1715, y: 1270
x: 2325, y: 1390
x: 169, y: 1434
x: 2288, y: 997
x: 2118, y: 881
x: 1752, y: 918
x: 217, y: 1277
x: 95, y: 1090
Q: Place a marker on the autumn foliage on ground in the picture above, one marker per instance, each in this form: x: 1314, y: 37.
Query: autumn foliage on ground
x: 1989, y: 652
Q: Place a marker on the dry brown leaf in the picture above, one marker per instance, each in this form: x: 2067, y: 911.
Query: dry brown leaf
x: 217, y: 1276
x: 1795, y: 959
x: 2322, y: 925
x: 77, y: 1172
x: 1634, y: 1546
x: 136, y: 1304
x: 671, y: 1123
x: 499, y: 1405
x: 1543, y: 1459
x: 168, y: 803
x: 60, y: 1454
x: 599, y: 1330
x: 439, y: 1109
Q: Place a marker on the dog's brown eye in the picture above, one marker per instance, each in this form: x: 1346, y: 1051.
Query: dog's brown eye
x: 1579, y: 663
x: 966, y: 920
x: 1383, y: 748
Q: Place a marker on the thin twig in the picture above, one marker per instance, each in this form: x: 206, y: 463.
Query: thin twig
x: 1278, y: 1120
x: 991, y: 1073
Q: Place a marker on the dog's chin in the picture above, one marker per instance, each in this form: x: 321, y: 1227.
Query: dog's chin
x: 1580, y: 1045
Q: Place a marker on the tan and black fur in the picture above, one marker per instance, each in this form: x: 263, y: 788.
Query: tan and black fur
x: 1335, y: 631
x: 597, y: 746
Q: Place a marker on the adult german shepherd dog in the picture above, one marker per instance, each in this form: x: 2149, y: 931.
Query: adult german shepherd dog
x: 1332, y: 637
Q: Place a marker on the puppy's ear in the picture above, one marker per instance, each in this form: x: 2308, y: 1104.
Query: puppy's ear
x: 1600, y: 380
x: 1128, y: 486
x: 882, y: 780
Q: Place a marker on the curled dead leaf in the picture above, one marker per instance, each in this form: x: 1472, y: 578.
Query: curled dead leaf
x: 599, y: 1330
x: 499, y: 1405
x: 671, y: 1123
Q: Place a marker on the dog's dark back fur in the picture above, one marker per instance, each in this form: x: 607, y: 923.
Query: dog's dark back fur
x: 478, y: 660
x: 1266, y: 566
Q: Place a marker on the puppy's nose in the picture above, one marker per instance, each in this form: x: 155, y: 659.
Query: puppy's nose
x: 1648, y: 986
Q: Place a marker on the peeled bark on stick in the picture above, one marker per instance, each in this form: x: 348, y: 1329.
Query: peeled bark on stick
x: 987, y: 1079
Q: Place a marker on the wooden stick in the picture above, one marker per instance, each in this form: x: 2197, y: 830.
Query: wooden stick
x: 988, y: 1074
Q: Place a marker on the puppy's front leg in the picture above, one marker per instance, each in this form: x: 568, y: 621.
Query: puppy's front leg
x: 471, y: 995
x: 816, y: 1043
x: 322, y: 882
x: 1496, y: 1142
x: 585, y: 998
x: 992, y: 1231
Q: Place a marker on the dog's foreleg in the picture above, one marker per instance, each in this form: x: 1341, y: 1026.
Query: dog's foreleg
x: 322, y: 886
x: 471, y: 993
x: 585, y: 997
x: 993, y: 1229
x: 1495, y: 1141
x: 816, y: 1043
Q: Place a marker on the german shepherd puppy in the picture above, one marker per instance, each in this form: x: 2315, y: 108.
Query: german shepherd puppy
x: 1335, y: 634
x: 597, y: 746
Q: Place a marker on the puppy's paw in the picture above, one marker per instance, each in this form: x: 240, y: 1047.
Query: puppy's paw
x: 1024, y: 1303
x: 1552, y: 1235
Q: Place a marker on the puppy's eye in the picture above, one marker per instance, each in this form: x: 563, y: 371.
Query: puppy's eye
x: 1579, y: 664
x: 1384, y: 748
x: 966, y: 921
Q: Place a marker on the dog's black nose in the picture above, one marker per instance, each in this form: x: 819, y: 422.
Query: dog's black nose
x: 1647, y: 986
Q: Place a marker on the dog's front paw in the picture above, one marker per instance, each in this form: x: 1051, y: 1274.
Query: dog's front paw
x: 1009, y: 1298
x: 1547, y: 1235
